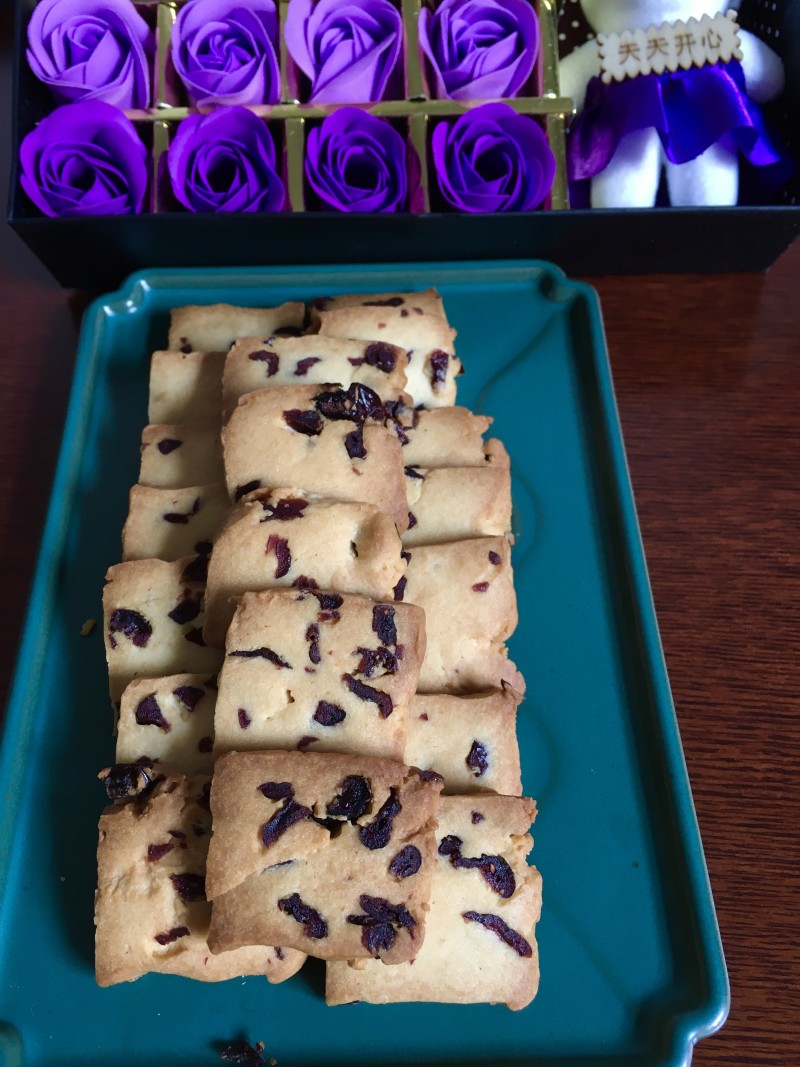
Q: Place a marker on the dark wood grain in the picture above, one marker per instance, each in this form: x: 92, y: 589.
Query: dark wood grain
x: 707, y: 371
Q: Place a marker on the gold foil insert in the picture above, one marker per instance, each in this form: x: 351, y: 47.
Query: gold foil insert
x: 416, y: 109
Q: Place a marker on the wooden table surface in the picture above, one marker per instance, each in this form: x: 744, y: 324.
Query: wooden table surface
x: 707, y: 371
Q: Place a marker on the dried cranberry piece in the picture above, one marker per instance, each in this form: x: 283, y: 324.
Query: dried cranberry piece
x: 148, y: 713
x: 412, y: 472
x: 304, y: 365
x: 261, y: 653
x: 189, y: 887
x: 248, y: 487
x: 305, y: 741
x: 480, y: 587
x: 431, y: 776
x: 196, y: 570
x: 172, y: 935
x: 354, y: 443
x: 378, y: 833
x: 390, y: 302
x: 314, y: 925
x: 383, y: 624
x: 307, y: 422
x: 168, y: 444
x: 242, y: 1053
x: 283, y: 557
x: 157, y: 852
x: 399, y: 590
x: 503, y: 931
x: 496, y: 872
x: 494, y: 557
x: 244, y: 719
x: 379, y: 923
x: 181, y: 518
x: 377, y: 937
x: 270, y: 358
x: 303, y: 582
x: 329, y: 601
x: 407, y: 862
x: 187, y: 609
x: 195, y: 635
x: 312, y: 636
x: 374, y: 658
x: 477, y: 759
x: 450, y: 845
x: 132, y: 624
x: 477, y: 817
x: 279, y: 952
x: 277, y: 790
x: 205, y: 744
x: 381, y: 355
x: 358, y: 403
x: 380, y: 909
x: 328, y: 714
x: 286, y: 816
x: 189, y: 695
x: 370, y: 694
x: 125, y: 780
x: 439, y: 362
x: 353, y: 799
x: 285, y: 509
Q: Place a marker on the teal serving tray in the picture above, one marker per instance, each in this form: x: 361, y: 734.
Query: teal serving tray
x: 632, y: 967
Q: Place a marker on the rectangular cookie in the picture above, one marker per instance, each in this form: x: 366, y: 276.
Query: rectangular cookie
x: 467, y: 591
x: 428, y: 300
x: 186, y: 387
x: 454, y: 503
x: 151, y: 912
x: 480, y: 944
x: 322, y: 439
x: 170, y: 523
x: 448, y: 437
x: 353, y: 881
x: 307, y: 668
x: 427, y: 339
x: 175, y: 455
x: 255, y: 363
x: 470, y: 740
x: 168, y: 721
x: 281, y: 538
x: 214, y: 327
x: 153, y: 614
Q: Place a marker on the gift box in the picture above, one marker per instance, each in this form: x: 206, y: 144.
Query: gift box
x: 98, y: 251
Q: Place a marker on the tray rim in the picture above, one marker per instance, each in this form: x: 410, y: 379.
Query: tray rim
x: 688, y: 1027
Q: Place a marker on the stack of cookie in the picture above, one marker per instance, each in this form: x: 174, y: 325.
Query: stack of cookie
x: 306, y: 635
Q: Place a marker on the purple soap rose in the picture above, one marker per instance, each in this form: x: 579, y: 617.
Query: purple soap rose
x: 492, y: 159
x: 92, y: 50
x: 225, y: 161
x: 349, y: 49
x: 227, y: 53
x: 357, y: 162
x: 479, y: 49
x: 84, y: 159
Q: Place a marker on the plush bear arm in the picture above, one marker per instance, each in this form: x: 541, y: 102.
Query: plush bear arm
x: 762, y: 67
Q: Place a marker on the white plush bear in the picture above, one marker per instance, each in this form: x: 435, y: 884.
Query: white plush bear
x: 631, y: 176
